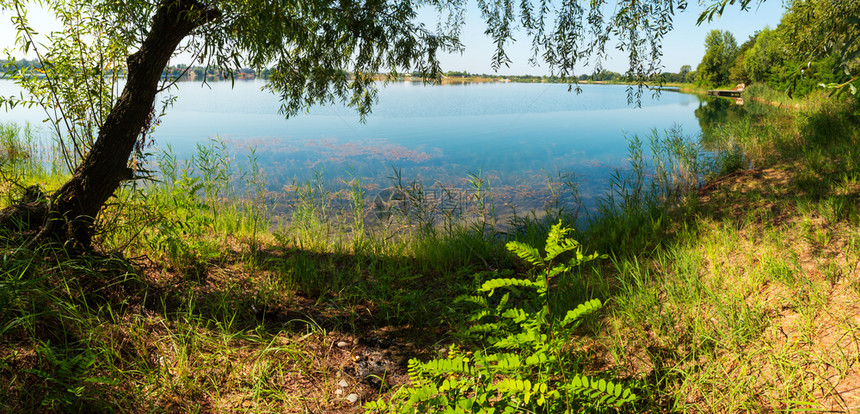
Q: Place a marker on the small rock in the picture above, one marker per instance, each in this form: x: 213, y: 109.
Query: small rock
x: 352, y: 398
x: 343, y: 344
x: 343, y: 383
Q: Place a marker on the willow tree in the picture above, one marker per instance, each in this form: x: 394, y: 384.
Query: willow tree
x: 101, y: 74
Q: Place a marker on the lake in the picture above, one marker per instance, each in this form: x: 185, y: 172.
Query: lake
x: 521, y: 139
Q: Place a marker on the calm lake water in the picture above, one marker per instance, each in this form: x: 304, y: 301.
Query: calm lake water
x: 519, y: 137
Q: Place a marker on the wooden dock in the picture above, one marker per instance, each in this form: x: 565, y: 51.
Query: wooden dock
x: 731, y: 93
x: 726, y: 92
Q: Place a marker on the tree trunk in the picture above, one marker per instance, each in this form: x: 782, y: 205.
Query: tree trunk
x: 72, y: 209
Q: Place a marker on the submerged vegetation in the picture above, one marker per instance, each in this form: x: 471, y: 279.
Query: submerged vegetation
x: 729, y: 284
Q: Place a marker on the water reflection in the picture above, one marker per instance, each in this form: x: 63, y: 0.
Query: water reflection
x: 714, y: 111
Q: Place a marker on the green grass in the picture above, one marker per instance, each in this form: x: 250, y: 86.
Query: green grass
x: 733, y: 296
x: 741, y: 309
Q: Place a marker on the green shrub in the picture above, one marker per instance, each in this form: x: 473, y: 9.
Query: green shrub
x: 523, y: 362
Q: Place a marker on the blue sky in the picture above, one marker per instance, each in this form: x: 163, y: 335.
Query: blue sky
x: 684, y: 46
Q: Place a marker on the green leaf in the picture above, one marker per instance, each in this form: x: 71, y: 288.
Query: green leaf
x: 558, y: 242
x: 581, y: 310
x: 493, y: 284
x: 536, y: 358
x: 516, y: 314
x: 526, y: 252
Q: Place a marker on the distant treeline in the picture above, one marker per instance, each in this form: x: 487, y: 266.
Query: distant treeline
x: 600, y: 76
x: 185, y: 73
x: 21, y: 64
x: 178, y: 72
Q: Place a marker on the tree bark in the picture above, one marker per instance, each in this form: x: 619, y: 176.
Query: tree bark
x: 71, y: 211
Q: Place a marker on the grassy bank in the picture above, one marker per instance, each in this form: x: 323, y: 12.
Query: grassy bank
x: 738, y: 294
x: 749, y: 304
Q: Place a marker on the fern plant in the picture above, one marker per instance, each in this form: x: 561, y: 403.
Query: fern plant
x: 521, y: 364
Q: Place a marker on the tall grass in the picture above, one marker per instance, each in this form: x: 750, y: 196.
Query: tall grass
x: 231, y: 300
x: 730, y: 303
x: 25, y: 159
x: 634, y: 214
x: 192, y: 210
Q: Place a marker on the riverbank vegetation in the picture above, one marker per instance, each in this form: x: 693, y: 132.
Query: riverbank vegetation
x: 736, y: 295
x: 185, y: 73
x: 815, y: 45
x: 718, y: 273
